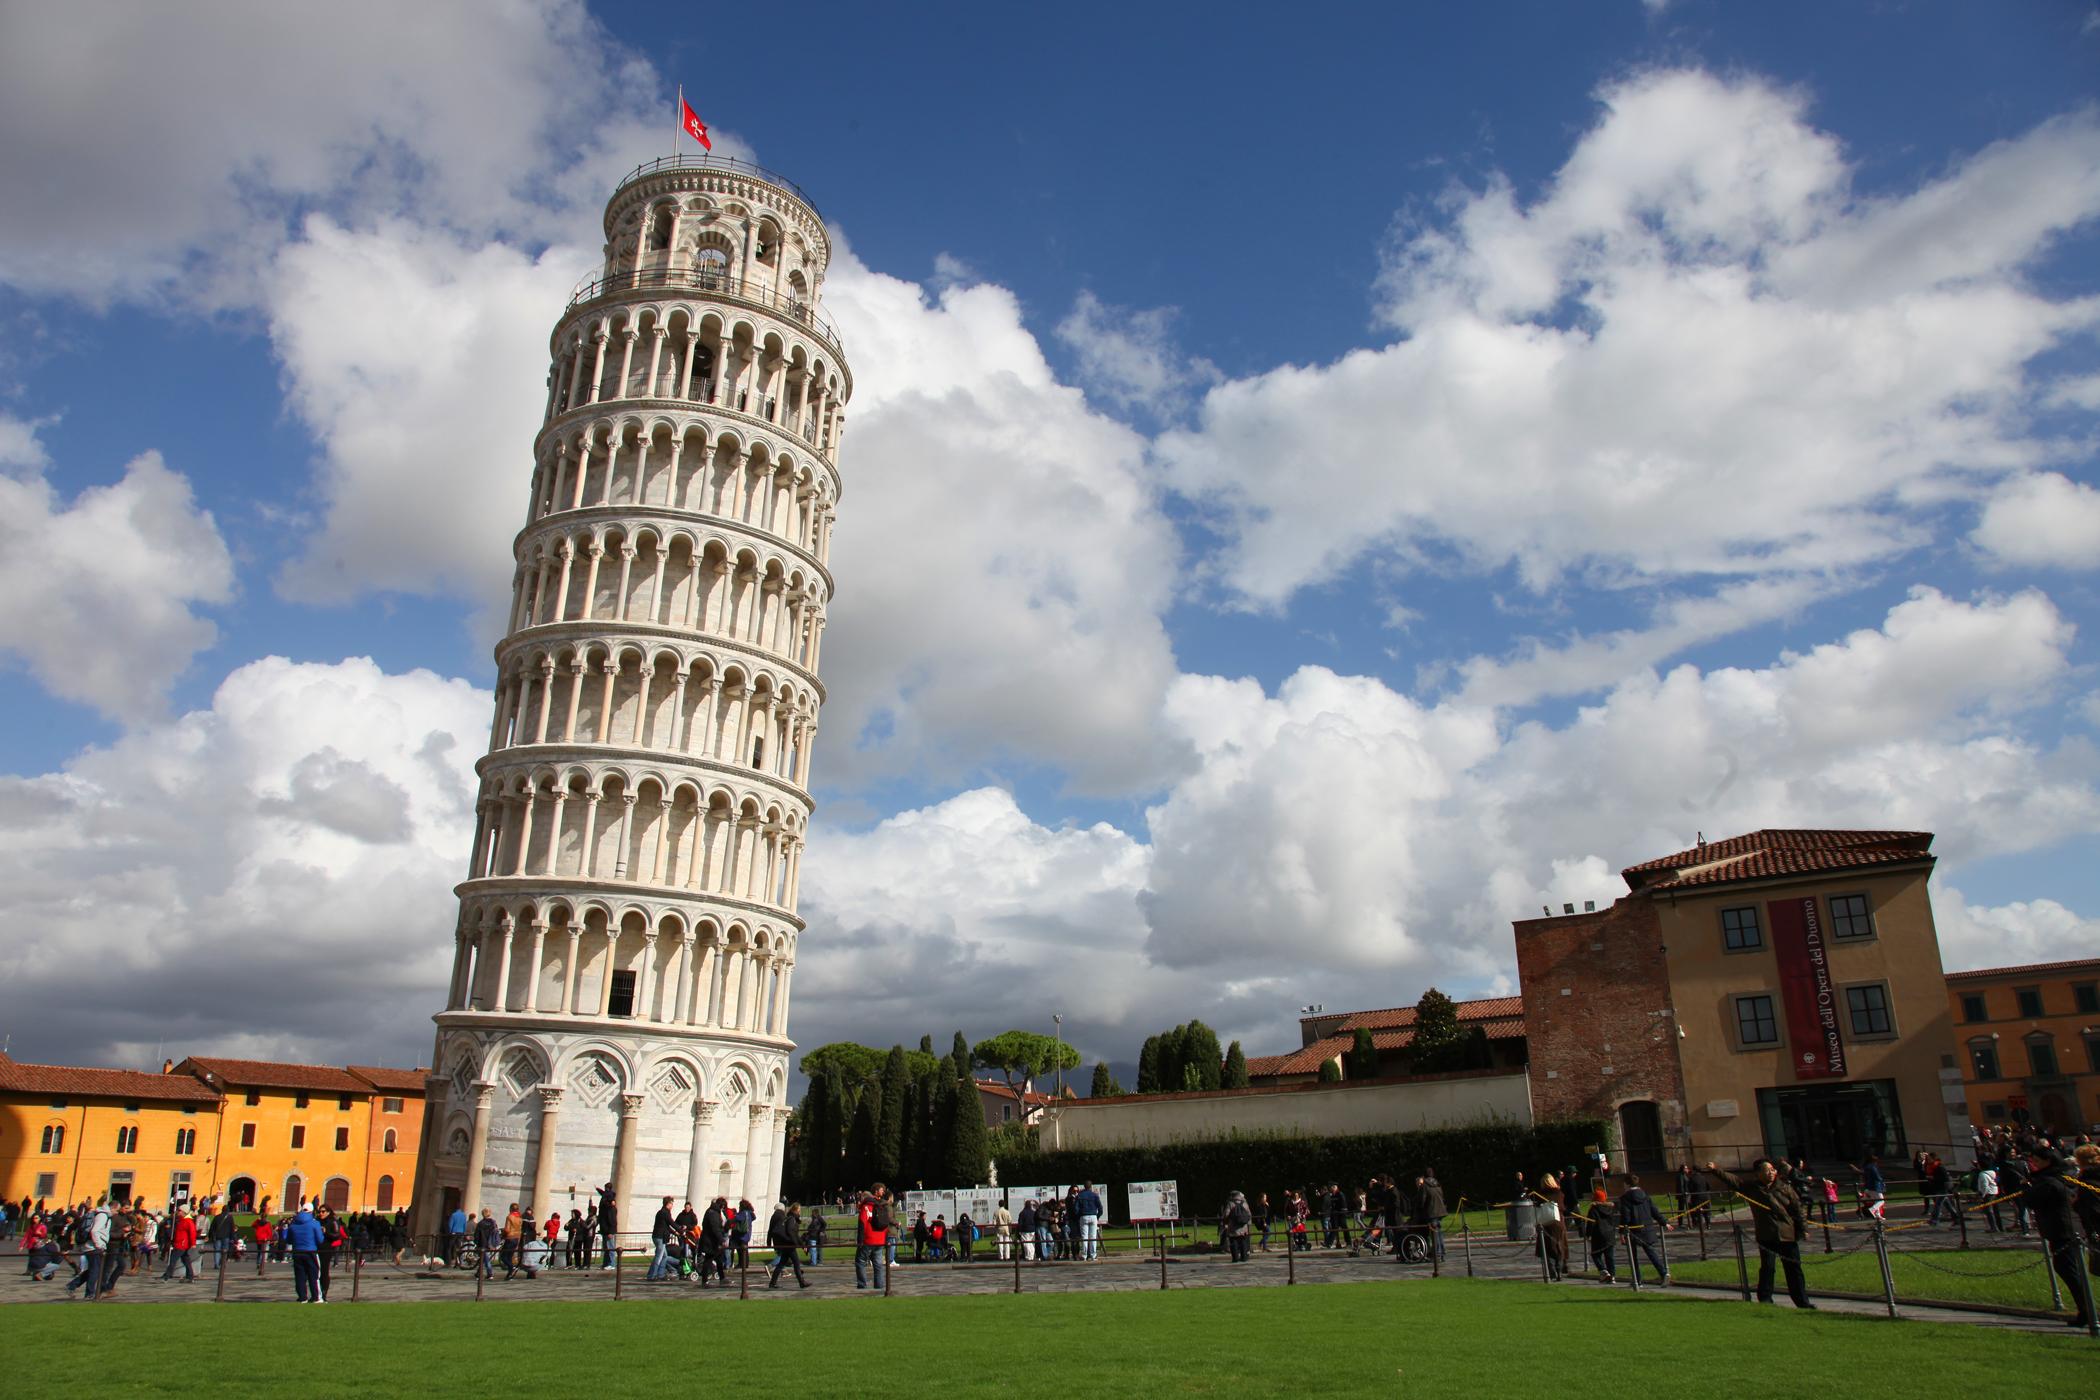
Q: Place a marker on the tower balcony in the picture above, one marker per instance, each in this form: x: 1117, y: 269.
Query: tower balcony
x: 785, y: 303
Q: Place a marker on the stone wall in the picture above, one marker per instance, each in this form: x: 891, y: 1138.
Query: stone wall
x: 1318, y: 1110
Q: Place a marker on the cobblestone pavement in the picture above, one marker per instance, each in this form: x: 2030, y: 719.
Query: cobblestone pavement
x: 383, y: 1282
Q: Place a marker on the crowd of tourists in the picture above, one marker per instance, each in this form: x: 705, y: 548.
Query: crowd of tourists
x: 103, y: 1243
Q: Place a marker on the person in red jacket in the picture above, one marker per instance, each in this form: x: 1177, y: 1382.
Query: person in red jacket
x: 182, y: 1247
x: 264, y: 1232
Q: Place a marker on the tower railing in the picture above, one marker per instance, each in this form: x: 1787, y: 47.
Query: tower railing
x: 727, y: 165
x: 790, y: 304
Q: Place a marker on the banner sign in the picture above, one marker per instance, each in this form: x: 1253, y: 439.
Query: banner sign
x: 1153, y: 1200
x: 1018, y: 1196
x: 1805, y: 988
x: 980, y: 1204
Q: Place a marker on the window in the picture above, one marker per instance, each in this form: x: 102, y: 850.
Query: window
x: 1754, y: 1022
x: 1972, y: 1008
x: 298, y: 1137
x: 1983, y: 1058
x: 46, y: 1184
x: 185, y: 1142
x: 128, y: 1138
x: 58, y: 1105
x: 2030, y: 1000
x: 1849, y: 917
x: 2085, y: 996
x: 1995, y: 1112
x: 1006, y: 1113
x: 342, y: 1139
x: 247, y: 1135
x: 55, y: 1138
x: 342, y: 1101
x: 131, y: 1108
x: 1869, y: 1006
x: 2092, y: 1053
x: 300, y: 1102
x: 621, y: 999
x: 386, y: 1144
x: 253, y: 1098
x: 1739, y: 930
x: 390, y: 1105
x: 189, y: 1110
x: 2041, y: 1056
x: 178, y: 1186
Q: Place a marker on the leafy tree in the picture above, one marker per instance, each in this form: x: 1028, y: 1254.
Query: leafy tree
x: 1148, y: 1066
x: 858, y: 1065
x: 1235, y: 1067
x: 1363, y: 1055
x: 1438, y: 1044
x: 1104, y: 1085
x: 1021, y: 1056
x: 1330, y: 1072
x: 889, y: 1120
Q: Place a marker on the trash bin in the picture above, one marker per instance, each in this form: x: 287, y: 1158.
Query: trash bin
x: 1520, y: 1221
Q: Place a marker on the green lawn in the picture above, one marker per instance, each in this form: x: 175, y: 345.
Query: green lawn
x: 1454, y: 1337
x: 2011, y: 1278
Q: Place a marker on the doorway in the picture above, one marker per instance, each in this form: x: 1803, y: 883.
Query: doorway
x: 1833, y: 1122
x: 1641, y: 1134
x: 294, y: 1192
x: 241, y: 1191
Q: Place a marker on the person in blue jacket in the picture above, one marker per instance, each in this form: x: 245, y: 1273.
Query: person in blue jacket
x: 305, y: 1236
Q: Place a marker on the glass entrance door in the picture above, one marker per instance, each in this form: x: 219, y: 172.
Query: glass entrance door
x: 1833, y: 1122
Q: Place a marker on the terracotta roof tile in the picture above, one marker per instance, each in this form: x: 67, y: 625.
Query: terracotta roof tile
x: 1483, y: 1009
x: 1979, y: 974
x: 408, y: 1081
x: 78, y: 1082
x: 1775, y: 852
x: 266, y: 1074
x: 1309, y: 1059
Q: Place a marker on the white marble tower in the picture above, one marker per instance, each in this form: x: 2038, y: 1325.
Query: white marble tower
x: 627, y: 932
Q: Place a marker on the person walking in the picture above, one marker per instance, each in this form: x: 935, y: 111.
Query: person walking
x: 486, y: 1236
x: 2087, y: 1161
x: 1641, y: 1223
x: 1427, y: 1210
x: 740, y: 1232
x: 1263, y: 1217
x: 1987, y: 1192
x: 264, y: 1232
x: 1601, y: 1231
x: 661, y: 1229
x: 873, y: 1212
x: 514, y: 1231
x: 1780, y: 1218
x: 182, y: 1246
x: 712, y: 1244
x: 608, y: 1225
x: 2051, y: 1202
x: 1552, y: 1230
x: 454, y: 1236
x: 1003, y: 1229
x: 578, y: 1240
x: 303, y: 1234
x: 1239, y: 1224
x: 813, y: 1235
x: 220, y: 1234
x: 784, y: 1234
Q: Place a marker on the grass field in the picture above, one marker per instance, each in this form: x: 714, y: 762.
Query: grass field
x: 1452, y: 1337
x: 2005, y: 1277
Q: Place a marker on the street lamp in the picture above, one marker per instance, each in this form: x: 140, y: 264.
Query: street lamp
x: 1059, y: 1063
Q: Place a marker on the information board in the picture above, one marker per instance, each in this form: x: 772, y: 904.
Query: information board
x: 1153, y: 1200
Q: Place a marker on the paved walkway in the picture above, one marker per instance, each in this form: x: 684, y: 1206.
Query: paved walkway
x: 384, y: 1283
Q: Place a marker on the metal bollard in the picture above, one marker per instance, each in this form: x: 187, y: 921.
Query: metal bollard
x: 1961, y: 1221
x: 1699, y: 1219
x: 1017, y: 1264
x: 357, y: 1273
x: 1888, y: 1277
x: 478, y: 1280
x: 889, y: 1273
x: 1662, y: 1247
x: 218, y: 1293
x: 1633, y: 1256
x: 1742, y: 1265
x: 1465, y: 1235
x: 2056, y: 1292
x: 1162, y: 1266
x: 618, y: 1259
x: 743, y: 1273
x: 1290, y: 1255
x: 1436, y: 1253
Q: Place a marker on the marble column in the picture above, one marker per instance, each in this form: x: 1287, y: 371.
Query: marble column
x: 543, y: 1167
x: 697, y: 1185
x: 477, y: 1149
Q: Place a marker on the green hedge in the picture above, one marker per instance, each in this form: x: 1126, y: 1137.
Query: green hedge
x: 1477, y: 1161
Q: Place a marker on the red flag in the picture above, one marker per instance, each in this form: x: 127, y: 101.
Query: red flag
x: 694, y: 127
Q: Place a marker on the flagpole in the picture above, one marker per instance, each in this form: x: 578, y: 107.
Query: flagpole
x: 677, y: 122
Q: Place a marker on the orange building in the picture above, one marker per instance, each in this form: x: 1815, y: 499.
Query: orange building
x: 70, y: 1134
x: 294, y: 1133
x: 2030, y: 1042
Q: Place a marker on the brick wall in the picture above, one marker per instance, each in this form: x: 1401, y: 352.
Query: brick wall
x: 1598, y: 1014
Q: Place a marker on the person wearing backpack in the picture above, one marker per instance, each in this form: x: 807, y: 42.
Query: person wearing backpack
x: 1239, y: 1224
x: 303, y: 1235
x: 1642, y: 1224
x: 182, y: 1246
x: 873, y: 1210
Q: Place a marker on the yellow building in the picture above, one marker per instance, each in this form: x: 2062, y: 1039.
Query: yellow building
x: 294, y: 1133
x: 69, y: 1134
x: 2030, y: 1039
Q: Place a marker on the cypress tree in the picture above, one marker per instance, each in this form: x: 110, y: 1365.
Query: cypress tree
x: 1330, y: 1072
x: 1235, y: 1067
x: 925, y: 1045
x: 829, y: 1145
x: 941, y: 1134
x: 1103, y: 1085
x: 1200, y: 1051
x: 889, y: 1122
x: 1148, y: 1066
x: 968, y: 1153
x: 860, y: 1141
x: 1363, y: 1055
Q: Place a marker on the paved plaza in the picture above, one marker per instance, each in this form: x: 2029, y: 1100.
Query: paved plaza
x: 383, y: 1282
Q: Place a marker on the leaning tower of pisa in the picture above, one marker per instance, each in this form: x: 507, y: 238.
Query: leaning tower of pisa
x: 627, y: 935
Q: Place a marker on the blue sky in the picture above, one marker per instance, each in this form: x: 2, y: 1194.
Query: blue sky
x: 1313, y: 491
